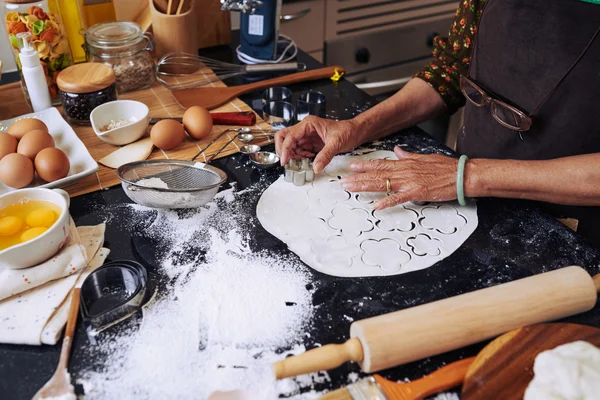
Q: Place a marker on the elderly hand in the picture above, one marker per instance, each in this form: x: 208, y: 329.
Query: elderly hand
x: 319, y: 136
x: 413, y: 177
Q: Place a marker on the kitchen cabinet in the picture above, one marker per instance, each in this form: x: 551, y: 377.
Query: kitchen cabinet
x: 304, y: 21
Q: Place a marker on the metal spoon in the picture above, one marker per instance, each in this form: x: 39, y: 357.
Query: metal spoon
x: 248, y: 138
x: 249, y: 149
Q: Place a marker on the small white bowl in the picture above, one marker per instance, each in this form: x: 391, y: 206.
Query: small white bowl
x: 37, y: 250
x: 129, y: 110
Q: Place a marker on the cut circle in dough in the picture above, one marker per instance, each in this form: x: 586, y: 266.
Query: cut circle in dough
x: 396, y: 218
x: 377, y: 254
x: 442, y: 218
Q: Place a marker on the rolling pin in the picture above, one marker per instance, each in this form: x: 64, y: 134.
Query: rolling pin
x: 415, y: 333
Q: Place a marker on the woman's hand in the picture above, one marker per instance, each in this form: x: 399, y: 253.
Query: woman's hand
x: 413, y: 177
x: 319, y: 136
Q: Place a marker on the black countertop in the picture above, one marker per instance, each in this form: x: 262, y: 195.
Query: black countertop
x: 513, y: 240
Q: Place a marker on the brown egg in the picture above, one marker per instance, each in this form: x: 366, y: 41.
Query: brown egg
x: 52, y: 164
x: 22, y: 126
x: 197, y: 122
x: 16, y: 170
x: 33, y: 142
x: 167, y: 134
x: 8, y: 144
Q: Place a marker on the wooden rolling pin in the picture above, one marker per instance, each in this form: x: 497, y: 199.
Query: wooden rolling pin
x: 419, y: 332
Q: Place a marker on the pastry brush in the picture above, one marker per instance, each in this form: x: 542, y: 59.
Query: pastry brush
x: 377, y: 387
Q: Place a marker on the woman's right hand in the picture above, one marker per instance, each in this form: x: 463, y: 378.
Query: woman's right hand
x: 317, y: 137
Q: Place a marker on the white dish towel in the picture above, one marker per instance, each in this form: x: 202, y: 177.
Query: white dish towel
x: 36, y: 300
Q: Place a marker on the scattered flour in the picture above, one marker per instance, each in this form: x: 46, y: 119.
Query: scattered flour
x: 153, y: 183
x: 227, y: 315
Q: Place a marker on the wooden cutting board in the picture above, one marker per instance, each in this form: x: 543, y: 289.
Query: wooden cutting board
x: 504, y: 368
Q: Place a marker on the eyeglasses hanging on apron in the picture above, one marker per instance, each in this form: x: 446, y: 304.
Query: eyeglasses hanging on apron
x: 505, y: 114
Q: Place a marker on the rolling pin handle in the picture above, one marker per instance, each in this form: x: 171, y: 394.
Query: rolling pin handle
x: 321, y: 358
x: 596, y: 279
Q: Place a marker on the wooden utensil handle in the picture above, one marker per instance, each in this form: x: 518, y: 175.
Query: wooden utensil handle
x: 73, y: 313
x: 314, y: 74
x: 321, y: 358
x: 445, y: 378
x: 434, y: 328
x: 244, y: 118
x: 596, y: 279
x: 70, y: 329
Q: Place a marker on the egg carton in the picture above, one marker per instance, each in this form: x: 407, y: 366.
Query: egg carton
x: 299, y: 171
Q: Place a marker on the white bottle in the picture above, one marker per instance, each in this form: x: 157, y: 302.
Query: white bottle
x: 32, y: 70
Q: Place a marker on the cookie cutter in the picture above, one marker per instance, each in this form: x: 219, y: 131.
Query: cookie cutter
x: 299, y: 171
x: 113, y: 293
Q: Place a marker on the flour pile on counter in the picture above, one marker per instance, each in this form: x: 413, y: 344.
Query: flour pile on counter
x: 228, y: 315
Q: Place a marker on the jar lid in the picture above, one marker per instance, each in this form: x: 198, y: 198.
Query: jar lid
x: 85, y: 78
x: 114, y: 35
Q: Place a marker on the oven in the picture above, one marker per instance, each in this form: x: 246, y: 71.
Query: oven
x: 382, y: 44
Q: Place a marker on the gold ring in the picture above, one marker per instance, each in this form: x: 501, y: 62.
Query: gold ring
x: 388, y: 185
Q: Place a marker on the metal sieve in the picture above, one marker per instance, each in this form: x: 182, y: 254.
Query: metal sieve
x: 189, y: 184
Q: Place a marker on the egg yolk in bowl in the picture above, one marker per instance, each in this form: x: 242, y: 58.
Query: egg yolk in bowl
x: 26, y: 220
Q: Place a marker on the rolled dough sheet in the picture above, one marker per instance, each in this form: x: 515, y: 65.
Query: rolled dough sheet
x: 338, y: 233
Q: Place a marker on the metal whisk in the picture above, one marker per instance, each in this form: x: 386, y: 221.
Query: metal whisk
x: 184, y: 70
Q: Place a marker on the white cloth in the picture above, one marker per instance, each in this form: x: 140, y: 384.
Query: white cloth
x: 568, y: 372
x: 69, y: 260
x: 38, y: 315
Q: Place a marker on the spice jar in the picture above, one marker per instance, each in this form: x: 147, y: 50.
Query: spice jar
x: 43, y: 20
x: 84, y: 87
x: 126, y: 48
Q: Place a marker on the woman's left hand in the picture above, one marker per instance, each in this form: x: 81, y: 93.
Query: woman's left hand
x: 413, y: 177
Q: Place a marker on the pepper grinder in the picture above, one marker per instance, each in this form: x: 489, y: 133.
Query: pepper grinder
x: 32, y: 70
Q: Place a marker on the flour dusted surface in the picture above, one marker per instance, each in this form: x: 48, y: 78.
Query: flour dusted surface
x: 227, y: 316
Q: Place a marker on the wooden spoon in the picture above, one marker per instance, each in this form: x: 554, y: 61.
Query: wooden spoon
x: 213, y: 97
x: 504, y: 368
x: 161, y: 5
x: 60, y: 383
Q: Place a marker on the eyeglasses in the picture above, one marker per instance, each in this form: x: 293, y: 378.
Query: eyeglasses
x: 507, y: 115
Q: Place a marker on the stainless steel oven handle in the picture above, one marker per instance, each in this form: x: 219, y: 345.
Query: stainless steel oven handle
x: 298, y: 15
x: 384, y: 84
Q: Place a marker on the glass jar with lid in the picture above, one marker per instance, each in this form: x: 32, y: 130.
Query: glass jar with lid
x: 43, y: 20
x: 84, y: 87
x: 126, y: 48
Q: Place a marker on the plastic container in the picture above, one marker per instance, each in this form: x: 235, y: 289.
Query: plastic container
x: 43, y: 20
x: 126, y: 48
x: 84, y: 87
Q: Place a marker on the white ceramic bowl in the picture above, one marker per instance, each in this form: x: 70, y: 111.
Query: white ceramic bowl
x: 46, y: 245
x: 129, y: 110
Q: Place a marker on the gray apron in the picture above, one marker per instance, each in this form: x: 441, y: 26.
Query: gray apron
x: 522, y: 48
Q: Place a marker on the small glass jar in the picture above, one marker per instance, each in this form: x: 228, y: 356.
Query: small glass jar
x: 126, y: 48
x: 84, y: 87
x: 43, y: 20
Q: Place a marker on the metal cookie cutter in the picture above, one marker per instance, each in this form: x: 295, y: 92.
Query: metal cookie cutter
x: 113, y: 293
x: 299, y: 172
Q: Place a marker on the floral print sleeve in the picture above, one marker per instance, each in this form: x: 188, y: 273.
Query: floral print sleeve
x: 452, y: 55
